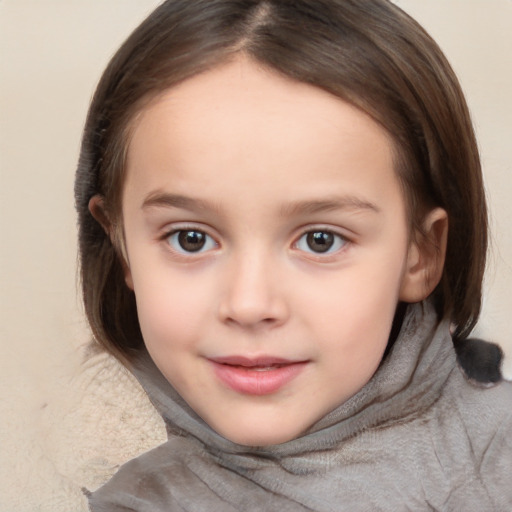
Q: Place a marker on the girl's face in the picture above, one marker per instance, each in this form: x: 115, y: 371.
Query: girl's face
x: 267, y: 245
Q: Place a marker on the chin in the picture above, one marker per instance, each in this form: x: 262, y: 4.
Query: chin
x: 261, y: 437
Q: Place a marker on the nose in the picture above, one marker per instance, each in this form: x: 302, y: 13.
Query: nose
x: 253, y: 293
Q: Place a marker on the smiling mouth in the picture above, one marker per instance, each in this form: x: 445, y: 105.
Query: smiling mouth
x: 264, y: 368
x: 261, y: 376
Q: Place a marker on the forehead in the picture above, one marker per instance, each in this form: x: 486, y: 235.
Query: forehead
x: 247, y: 124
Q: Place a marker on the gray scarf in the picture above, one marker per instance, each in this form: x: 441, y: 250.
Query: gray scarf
x: 360, y: 457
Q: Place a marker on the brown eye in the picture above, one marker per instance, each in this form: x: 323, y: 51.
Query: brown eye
x: 190, y: 241
x: 320, y: 241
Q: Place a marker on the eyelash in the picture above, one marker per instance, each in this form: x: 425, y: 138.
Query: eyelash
x: 339, y: 242
x: 176, y: 247
x: 328, y: 236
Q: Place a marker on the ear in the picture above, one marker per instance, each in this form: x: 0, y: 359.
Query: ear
x: 99, y: 212
x: 425, y: 259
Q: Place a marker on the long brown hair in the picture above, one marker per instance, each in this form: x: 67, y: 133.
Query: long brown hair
x: 367, y: 52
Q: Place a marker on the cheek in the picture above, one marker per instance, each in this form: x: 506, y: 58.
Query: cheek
x: 362, y: 291
x: 170, y: 306
x: 354, y: 310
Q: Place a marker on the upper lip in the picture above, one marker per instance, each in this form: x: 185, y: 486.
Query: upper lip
x: 249, y: 362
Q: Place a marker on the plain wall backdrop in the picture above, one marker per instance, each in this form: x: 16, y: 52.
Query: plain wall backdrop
x: 52, y: 53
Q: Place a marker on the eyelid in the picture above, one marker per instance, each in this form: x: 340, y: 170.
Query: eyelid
x: 178, y: 227
x: 172, y: 228
x: 344, y: 233
x: 337, y: 232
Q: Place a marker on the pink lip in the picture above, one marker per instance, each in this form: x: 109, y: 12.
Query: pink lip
x: 259, y: 376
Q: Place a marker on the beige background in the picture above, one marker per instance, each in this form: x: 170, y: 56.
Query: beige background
x: 51, y: 55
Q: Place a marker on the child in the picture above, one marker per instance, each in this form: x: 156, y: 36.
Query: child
x: 282, y: 228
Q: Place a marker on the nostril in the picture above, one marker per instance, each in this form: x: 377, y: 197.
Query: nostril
x: 251, y: 296
x: 249, y: 322
x: 253, y: 318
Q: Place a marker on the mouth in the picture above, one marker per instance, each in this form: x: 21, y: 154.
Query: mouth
x: 259, y: 376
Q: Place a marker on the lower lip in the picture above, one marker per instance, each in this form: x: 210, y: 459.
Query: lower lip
x: 257, y: 382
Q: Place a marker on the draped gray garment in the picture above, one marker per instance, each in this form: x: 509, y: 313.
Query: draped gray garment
x: 419, y: 436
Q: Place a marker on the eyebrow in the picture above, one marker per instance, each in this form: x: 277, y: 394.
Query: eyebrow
x: 166, y: 200
x: 349, y: 202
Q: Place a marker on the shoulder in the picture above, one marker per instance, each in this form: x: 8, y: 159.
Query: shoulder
x: 486, y: 412
x: 142, y: 483
x: 173, y: 477
x: 479, y: 394
x: 480, y: 420
x: 489, y: 425
x: 466, y: 445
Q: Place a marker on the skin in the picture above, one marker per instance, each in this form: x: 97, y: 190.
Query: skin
x: 253, y: 161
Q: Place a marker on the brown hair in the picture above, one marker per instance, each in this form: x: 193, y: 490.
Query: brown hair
x: 366, y: 52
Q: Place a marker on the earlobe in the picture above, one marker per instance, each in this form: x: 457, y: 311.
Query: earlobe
x: 127, y: 274
x: 425, y: 259
x: 98, y: 211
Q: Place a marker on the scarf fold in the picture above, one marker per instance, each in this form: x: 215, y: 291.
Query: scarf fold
x: 197, y: 469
